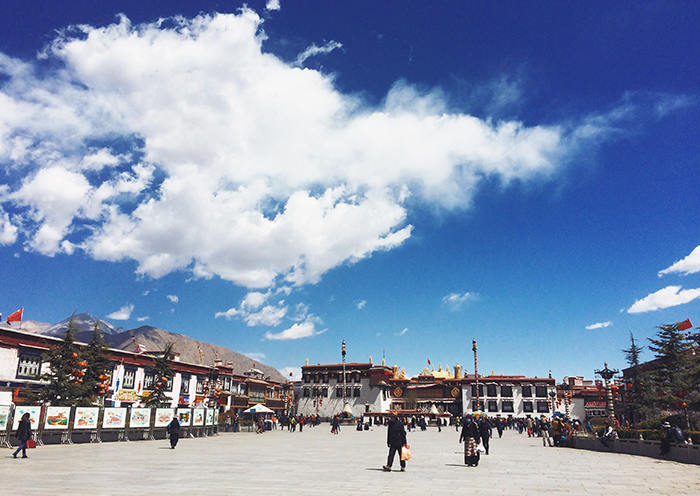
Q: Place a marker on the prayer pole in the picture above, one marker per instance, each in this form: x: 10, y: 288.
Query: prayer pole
x: 476, y: 377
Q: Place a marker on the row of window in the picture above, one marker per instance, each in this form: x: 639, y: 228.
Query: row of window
x: 29, y: 367
x: 324, y: 378
x: 507, y: 406
x: 507, y: 391
x: 323, y: 392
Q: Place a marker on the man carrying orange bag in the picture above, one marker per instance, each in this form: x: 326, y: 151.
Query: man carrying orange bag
x: 395, y: 440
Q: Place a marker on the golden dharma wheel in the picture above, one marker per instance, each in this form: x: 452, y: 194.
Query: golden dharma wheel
x: 398, y: 392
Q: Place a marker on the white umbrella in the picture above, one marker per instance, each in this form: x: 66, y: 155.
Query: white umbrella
x: 259, y: 408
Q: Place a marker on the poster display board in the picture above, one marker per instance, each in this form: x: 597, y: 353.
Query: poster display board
x: 140, y: 417
x: 198, y: 416
x: 114, y: 418
x: 185, y: 415
x: 209, y: 420
x: 33, y: 411
x: 164, y: 416
x: 85, y: 418
x: 57, y: 417
x: 4, y: 416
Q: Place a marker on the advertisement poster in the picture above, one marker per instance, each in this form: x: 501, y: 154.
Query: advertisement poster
x: 198, y: 416
x: 114, y: 418
x: 140, y: 417
x: 4, y: 416
x: 210, y: 416
x: 164, y: 416
x: 33, y: 411
x: 185, y: 416
x: 57, y: 417
x: 85, y: 418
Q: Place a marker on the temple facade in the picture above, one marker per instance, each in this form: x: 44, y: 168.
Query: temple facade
x: 22, y: 364
x: 380, y: 389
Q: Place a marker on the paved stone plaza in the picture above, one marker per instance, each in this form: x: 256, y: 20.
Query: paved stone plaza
x: 315, y: 462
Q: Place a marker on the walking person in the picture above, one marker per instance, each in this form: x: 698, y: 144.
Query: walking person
x: 395, y: 439
x: 470, y: 436
x: 499, y: 427
x: 485, y: 433
x: 173, y: 430
x: 24, y: 434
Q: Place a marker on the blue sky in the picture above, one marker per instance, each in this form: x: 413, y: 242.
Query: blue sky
x: 279, y: 177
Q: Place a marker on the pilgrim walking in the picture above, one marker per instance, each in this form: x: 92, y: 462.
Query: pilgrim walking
x: 470, y: 436
x: 174, y: 431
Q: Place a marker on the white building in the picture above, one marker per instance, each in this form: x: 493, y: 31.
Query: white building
x: 323, y: 392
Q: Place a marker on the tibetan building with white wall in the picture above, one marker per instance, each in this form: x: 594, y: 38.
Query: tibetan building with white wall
x: 22, y: 363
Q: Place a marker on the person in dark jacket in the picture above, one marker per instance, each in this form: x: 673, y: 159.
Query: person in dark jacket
x: 470, y: 436
x: 174, y: 431
x: 395, y: 439
x: 24, y: 434
x: 485, y: 433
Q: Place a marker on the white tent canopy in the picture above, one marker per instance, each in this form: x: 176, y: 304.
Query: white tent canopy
x: 259, y: 408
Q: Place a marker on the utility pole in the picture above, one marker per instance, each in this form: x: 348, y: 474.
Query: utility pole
x: 476, y: 377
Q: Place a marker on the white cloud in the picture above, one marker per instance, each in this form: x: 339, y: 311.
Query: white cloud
x: 254, y: 300
x: 291, y: 373
x: 142, y: 319
x: 361, y: 304
x: 456, y: 300
x: 685, y: 266
x: 124, y: 313
x: 255, y: 356
x: 269, y: 315
x: 272, y: 5
x: 297, y: 331
x: 259, y: 172
x: 670, y: 296
x: 146, y: 292
x: 313, y: 50
x: 404, y: 331
x: 173, y: 298
x: 8, y: 232
x: 598, y: 325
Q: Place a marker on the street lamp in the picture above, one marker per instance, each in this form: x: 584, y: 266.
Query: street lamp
x: 552, y: 395
x: 608, y: 374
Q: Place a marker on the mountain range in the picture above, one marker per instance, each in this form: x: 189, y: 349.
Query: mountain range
x: 153, y: 339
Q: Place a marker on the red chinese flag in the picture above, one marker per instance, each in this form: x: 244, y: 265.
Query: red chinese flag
x: 15, y: 316
x: 681, y: 326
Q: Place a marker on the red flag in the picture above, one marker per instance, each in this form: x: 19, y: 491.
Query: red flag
x: 15, y: 316
x: 681, y: 326
x: 428, y: 361
x: 290, y: 374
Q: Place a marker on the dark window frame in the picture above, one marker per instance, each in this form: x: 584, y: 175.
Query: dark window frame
x: 492, y: 405
x: 507, y: 406
x: 507, y: 391
x: 132, y: 376
x: 539, y: 393
x: 543, y: 406
x: 528, y: 406
x: 23, y: 357
x: 526, y: 391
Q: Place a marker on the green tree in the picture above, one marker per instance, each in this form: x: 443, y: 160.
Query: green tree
x: 162, y: 374
x: 636, y: 400
x: 672, y: 379
x: 65, y: 375
x: 98, y: 366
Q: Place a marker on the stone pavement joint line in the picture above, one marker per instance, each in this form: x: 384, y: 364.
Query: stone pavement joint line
x: 315, y: 462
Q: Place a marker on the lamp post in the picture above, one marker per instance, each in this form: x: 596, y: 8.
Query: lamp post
x: 476, y: 376
x: 608, y: 374
x: 345, y: 400
x: 552, y: 396
x: 566, y: 388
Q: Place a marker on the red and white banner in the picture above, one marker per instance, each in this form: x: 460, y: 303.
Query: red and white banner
x: 15, y: 316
